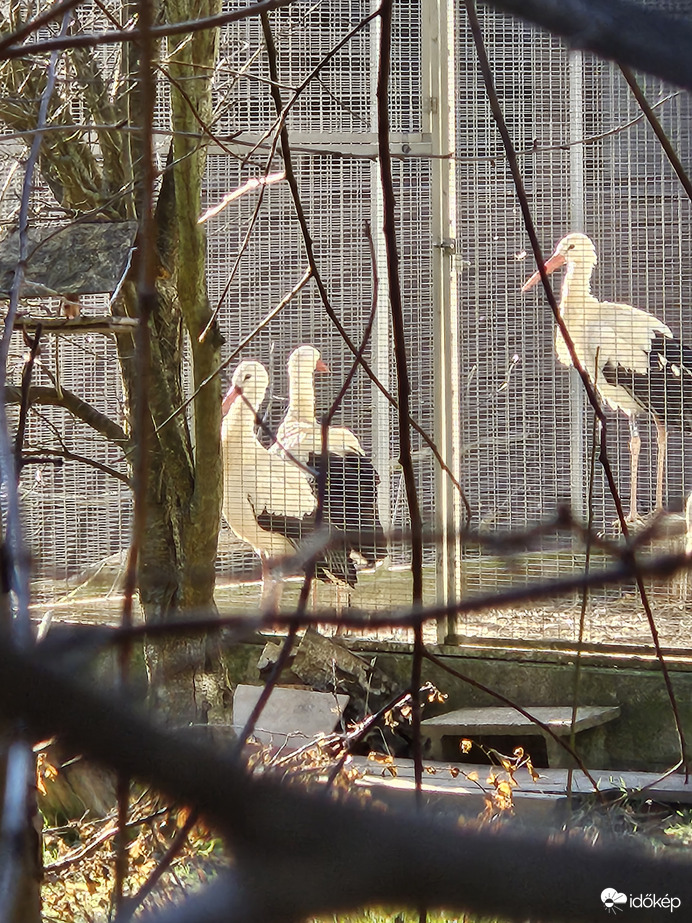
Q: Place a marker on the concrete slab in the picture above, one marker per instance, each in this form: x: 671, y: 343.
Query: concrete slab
x: 454, y: 788
x: 291, y: 717
x: 507, y: 722
x: 498, y: 720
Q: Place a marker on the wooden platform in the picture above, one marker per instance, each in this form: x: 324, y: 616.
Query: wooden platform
x: 507, y: 722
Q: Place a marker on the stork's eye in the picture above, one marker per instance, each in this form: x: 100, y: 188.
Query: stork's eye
x: 247, y: 376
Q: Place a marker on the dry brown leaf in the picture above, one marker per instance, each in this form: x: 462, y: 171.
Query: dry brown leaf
x: 91, y: 885
x: 136, y: 848
x: 434, y: 695
x: 45, y: 770
x: 181, y: 817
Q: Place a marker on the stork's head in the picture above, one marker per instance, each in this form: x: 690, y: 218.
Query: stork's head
x: 251, y: 381
x: 574, y: 250
x: 304, y: 362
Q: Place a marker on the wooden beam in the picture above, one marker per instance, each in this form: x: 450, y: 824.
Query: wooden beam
x: 88, y: 323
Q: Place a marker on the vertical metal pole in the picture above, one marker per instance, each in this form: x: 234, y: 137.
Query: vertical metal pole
x: 439, y: 72
x: 576, y: 220
x: 380, y: 357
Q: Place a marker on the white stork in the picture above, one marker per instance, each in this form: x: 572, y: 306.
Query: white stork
x: 300, y: 434
x: 268, y: 502
x: 351, y: 479
x: 632, y: 357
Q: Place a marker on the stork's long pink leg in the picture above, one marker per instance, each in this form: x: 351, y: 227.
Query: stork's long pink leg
x: 662, y: 438
x: 635, y: 448
x: 271, y: 588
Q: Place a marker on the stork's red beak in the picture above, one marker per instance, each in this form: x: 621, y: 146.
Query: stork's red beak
x: 555, y: 261
x: 322, y: 366
x: 233, y: 393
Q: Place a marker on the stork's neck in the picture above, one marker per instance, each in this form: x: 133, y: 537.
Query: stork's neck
x: 301, y: 398
x: 239, y: 422
x: 576, y: 286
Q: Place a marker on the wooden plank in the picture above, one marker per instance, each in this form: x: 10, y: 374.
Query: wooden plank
x: 86, y: 323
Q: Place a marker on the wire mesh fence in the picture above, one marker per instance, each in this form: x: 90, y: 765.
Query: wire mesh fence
x: 590, y: 162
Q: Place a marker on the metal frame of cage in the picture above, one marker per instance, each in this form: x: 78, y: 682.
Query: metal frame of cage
x: 590, y: 163
x: 510, y: 424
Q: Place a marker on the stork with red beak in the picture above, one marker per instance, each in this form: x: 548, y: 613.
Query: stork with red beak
x: 269, y: 502
x: 350, y: 477
x: 632, y: 357
x: 300, y: 434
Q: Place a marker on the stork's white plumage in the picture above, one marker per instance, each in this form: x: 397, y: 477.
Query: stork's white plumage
x: 632, y: 357
x: 351, y: 479
x: 254, y: 480
x: 300, y: 433
x: 268, y: 502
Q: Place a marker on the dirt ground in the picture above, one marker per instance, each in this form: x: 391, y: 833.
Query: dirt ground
x: 616, y: 621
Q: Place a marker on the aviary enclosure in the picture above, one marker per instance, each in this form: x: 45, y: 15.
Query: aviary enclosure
x: 526, y: 479
x: 511, y: 423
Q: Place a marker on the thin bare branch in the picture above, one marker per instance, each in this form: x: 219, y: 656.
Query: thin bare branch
x: 324, y: 294
x: 653, y: 121
x: 25, y: 388
x: 661, y: 567
x: 38, y: 455
x: 141, y: 424
x: 454, y: 866
x: 76, y: 406
x: 8, y: 48
x: 33, y: 25
x: 403, y: 383
x: 566, y: 744
x: 589, y: 387
x: 130, y: 905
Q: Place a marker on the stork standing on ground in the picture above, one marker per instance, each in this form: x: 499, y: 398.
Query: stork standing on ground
x: 351, y: 479
x: 632, y: 357
x: 269, y: 502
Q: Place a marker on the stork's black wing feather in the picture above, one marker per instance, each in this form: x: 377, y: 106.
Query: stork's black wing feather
x: 334, y: 563
x: 350, y: 502
x: 666, y: 391
x: 349, y: 512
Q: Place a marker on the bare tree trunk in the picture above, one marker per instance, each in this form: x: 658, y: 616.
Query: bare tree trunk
x: 176, y: 565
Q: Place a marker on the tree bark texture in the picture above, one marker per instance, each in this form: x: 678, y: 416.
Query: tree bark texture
x: 176, y: 564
